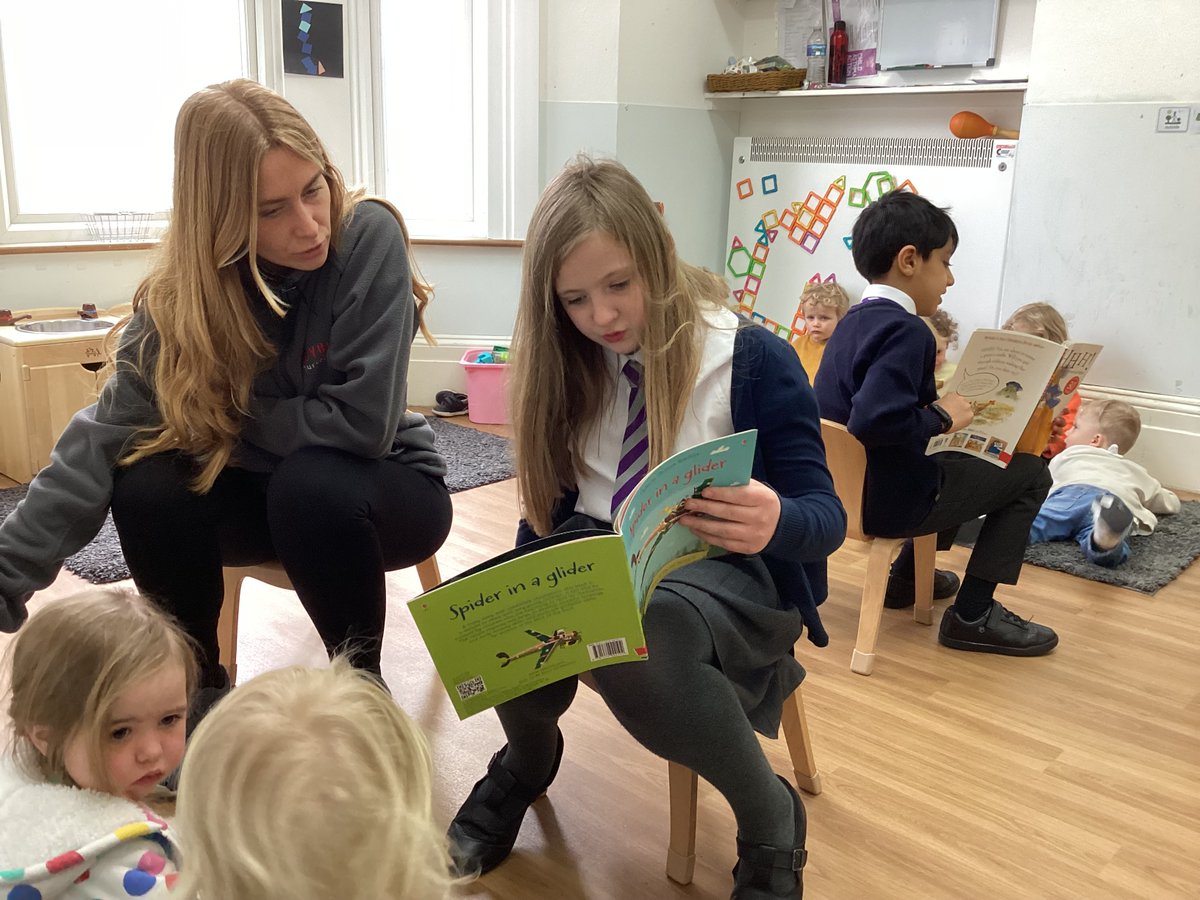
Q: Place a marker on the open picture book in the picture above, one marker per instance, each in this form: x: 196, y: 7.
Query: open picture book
x: 1016, y: 384
x: 572, y: 601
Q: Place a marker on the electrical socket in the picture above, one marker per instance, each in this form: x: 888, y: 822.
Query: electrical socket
x: 1173, y: 118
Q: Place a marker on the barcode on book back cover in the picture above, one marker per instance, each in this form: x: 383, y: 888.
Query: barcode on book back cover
x: 469, y: 688
x: 606, y: 649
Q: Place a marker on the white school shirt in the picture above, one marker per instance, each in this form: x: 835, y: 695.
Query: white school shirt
x: 890, y: 293
x: 709, y: 413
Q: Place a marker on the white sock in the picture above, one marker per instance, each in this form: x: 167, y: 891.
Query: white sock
x: 1111, y: 522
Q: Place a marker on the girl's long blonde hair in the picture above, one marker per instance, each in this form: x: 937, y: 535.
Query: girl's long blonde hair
x: 209, y: 347
x: 560, y: 383
x: 327, y: 753
x: 68, y: 666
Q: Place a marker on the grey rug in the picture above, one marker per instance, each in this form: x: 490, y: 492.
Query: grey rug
x: 1154, y: 559
x: 474, y: 458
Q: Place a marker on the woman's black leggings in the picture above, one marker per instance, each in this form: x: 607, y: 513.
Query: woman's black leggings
x: 337, y: 523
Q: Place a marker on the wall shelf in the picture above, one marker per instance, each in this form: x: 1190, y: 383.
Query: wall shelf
x: 906, y: 90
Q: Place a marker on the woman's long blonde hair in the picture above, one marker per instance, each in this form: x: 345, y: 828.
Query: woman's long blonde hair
x: 209, y: 346
x: 560, y: 383
x: 307, y: 784
x: 68, y: 666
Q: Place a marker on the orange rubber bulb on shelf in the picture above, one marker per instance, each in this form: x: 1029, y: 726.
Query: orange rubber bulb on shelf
x: 972, y: 125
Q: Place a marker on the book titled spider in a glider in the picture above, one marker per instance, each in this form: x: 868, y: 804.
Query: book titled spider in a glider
x: 572, y: 601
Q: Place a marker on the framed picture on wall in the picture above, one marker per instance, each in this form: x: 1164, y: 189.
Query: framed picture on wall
x: 312, y: 38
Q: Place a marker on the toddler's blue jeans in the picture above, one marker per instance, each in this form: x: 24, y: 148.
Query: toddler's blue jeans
x: 1067, y: 515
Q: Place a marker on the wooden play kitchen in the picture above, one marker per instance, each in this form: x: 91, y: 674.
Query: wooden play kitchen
x: 52, y: 364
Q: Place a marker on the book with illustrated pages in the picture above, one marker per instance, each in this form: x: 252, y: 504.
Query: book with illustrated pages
x: 572, y: 601
x: 1016, y: 384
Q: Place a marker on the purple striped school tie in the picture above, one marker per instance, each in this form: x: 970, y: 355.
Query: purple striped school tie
x: 635, y: 448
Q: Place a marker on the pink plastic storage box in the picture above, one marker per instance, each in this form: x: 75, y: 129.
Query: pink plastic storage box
x: 487, y: 387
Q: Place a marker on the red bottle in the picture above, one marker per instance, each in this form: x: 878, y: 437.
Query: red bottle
x: 839, y: 53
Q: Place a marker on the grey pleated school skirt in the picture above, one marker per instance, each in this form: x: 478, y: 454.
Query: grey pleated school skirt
x: 752, y: 632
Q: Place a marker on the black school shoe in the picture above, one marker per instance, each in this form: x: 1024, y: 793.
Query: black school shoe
x: 450, y: 403
x: 486, y: 826
x: 1000, y: 631
x: 763, y: 872
x: 901, y: 592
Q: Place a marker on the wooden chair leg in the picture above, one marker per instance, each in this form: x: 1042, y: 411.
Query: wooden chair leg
x: 795, y: 732
x: 227, y: 627
x: 924, y: 558
x: 681, y: 850
x: 427, y: 571
x: 870, y: 614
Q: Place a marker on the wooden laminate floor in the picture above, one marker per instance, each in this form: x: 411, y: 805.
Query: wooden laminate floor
x: 946, y: 774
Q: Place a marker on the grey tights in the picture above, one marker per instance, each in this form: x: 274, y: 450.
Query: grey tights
x: 678, y: 705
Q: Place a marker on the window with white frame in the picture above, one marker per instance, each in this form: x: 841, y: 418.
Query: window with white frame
x: 444, y: 121
x: 90, y: 95
x: 457, y: 115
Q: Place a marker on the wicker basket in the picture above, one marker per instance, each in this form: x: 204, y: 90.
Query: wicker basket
x: 757, y: 81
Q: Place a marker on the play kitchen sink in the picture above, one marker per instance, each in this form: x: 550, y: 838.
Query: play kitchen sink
x: 51, y: 366
x: 64, y: 326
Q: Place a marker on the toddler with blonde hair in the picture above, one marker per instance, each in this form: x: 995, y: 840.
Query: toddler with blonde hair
x: 308, y: 784
x: 97, y: 689
x: 1039, y: 319
x: 1099, y: 496
x: 823, y: 305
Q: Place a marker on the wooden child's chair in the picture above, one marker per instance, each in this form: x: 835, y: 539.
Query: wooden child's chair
x: 847, y: 460
x: 683, y: 784
x: 272, y: 573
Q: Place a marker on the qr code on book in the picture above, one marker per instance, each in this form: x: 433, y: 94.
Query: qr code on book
x: 469, y: 688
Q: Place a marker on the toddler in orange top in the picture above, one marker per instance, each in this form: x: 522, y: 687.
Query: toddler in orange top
x: 823, y: 304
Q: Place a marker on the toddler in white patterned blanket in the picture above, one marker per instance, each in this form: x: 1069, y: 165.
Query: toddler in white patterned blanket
x: 97, y: 690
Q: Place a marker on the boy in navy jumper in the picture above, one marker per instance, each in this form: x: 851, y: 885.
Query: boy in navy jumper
x: 877, y: 379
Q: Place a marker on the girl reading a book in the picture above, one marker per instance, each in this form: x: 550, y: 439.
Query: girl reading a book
x: 624, y: 354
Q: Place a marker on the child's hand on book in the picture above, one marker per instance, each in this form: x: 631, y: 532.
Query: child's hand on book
x: 1058, y: 432
x: 959, y: 408
x: 739, y: 519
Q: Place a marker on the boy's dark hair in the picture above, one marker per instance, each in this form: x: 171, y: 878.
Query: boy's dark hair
x: 891, y: 223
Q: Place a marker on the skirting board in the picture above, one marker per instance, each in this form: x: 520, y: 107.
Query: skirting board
x: 1168, y: 447
x: 1169, y: 444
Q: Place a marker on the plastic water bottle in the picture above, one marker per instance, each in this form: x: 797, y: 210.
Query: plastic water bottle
x: 815, y: 76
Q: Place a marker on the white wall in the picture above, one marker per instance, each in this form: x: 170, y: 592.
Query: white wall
x: 1099, y: 51
x: 1106, y: 211
x: 30, y: 280
x: 625, y: 80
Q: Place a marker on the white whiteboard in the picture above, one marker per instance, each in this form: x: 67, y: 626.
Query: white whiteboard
x: 937, y: 33
x: 1106, y: 227
x: 793, y: 202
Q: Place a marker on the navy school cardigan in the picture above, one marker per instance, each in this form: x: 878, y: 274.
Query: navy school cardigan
x: 770, y: 392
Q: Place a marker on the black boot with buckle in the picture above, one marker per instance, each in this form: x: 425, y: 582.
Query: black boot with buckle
x: 486, y: 827
x: 763, y: 872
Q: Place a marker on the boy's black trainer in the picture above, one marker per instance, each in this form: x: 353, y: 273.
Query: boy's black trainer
x: 1000, y: 631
